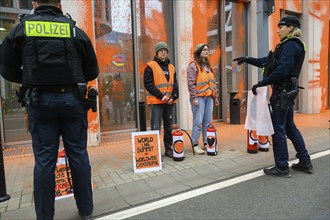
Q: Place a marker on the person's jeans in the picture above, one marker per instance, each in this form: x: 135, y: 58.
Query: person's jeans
x: 118, y: 108
x: 284, y: 127
x: 202, y: 116
x: 165, y: 112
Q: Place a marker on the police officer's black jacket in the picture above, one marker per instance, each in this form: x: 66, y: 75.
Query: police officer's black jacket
x: 46, y: 48
x: 289, y: 58
x: 149, y: 83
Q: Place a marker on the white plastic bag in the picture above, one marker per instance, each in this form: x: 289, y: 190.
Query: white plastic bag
x: 258, y: 116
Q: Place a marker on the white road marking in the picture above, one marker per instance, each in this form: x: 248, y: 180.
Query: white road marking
x: 194, y: 193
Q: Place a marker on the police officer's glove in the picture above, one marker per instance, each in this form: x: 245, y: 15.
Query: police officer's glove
x: 254, y: 89
x: 241, y: 60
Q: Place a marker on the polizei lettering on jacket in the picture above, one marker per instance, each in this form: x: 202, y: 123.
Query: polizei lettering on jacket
x: 47, y: 29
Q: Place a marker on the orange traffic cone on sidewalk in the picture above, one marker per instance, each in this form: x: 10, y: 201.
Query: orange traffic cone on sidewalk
x: 178, y: 147
x: 263, y: 143
x: 252, y: 142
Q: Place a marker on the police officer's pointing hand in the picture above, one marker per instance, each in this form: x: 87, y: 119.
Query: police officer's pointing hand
x: 241, y: 60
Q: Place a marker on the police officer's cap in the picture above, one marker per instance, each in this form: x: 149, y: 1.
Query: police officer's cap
x: 289, y: 20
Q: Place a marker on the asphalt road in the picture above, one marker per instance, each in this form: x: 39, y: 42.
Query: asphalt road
x: 303, y: 196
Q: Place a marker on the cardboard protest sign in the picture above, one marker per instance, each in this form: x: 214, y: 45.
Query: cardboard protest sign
x: 63, y: 182
x: 146, y: 151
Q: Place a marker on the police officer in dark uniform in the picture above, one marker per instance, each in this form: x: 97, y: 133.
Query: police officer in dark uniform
x: 281, y: 69
x: 50, y: 57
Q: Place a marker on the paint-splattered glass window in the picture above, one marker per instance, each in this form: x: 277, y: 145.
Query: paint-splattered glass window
x: 154, y: 24
x: 13, y: 114
x: 25, y: 4
x: 6, y: 3
x: 236, y: 41
x: 114, y: 48
x: 213, y: 40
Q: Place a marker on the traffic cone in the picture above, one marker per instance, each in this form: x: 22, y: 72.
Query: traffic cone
x: 178, y: 147
x: 252, y: 142
x: 212, y: 142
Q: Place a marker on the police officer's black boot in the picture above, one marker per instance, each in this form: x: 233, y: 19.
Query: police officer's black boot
x: 304, y: 165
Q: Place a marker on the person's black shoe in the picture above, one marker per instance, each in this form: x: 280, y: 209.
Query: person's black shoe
x: 274, y: 171
x: 304, y: 165
x: 169, y: 153
x: 87, y: 217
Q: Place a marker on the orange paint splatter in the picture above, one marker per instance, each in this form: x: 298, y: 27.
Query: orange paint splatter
x: 88, y: 28
x: 320, y: 11
x: 199, y: 10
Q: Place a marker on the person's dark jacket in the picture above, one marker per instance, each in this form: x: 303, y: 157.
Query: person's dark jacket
x: 11, y: 53
x: 149, y: 83
x: 287, y: 57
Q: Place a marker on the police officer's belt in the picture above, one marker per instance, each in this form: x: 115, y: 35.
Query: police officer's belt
x: 57, y: 89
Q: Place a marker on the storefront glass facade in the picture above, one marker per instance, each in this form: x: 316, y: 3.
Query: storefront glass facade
x: 115, y: 26
x: 126, y: 32
x: 13, y: 117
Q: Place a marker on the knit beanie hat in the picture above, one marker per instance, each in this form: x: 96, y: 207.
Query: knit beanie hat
x: 160, y: 45
x: 199, y: 48
x: 289, y: 20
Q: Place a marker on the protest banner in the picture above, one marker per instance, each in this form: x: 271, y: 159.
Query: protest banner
x: 63, y: 180
x: 146, y: 151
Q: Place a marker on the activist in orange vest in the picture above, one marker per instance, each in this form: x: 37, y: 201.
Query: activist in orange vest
x: 118, y: 88
x: 117, y: 96
x: 203, y: 94
x: 162, y: 91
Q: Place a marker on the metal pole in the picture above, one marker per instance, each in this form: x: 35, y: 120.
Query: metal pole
x: 135, y: 62
x: 142, y: 116
x: 262, y: 24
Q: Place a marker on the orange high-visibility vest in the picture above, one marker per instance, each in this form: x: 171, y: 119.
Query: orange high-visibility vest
x: 205, y: 82
x: 118, y: 90
x: 161, y: 83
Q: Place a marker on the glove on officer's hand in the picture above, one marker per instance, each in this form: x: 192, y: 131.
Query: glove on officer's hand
x: 254, y: 87
x: 240, y: 60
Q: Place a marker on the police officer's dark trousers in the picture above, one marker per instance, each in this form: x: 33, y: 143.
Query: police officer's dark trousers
x: 59, y: 114
x: 165, y: 112
x: 284, y: 126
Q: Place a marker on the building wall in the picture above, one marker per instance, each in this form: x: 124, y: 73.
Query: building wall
x: 315, y: 28
x: 184, y: 42
x: 190, y: 30
x: 191, y: 26
x: 82, y: 13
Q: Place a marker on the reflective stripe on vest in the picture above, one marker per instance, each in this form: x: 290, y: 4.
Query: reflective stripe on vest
x: 205, y: 82
x: 160, y: 82
x: 47, y: 29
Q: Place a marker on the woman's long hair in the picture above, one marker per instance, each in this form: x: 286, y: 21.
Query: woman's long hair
x: 296, y: 32
x: 199, y: 60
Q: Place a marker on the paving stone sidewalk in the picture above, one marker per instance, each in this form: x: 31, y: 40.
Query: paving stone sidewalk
x: 117, y: 187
